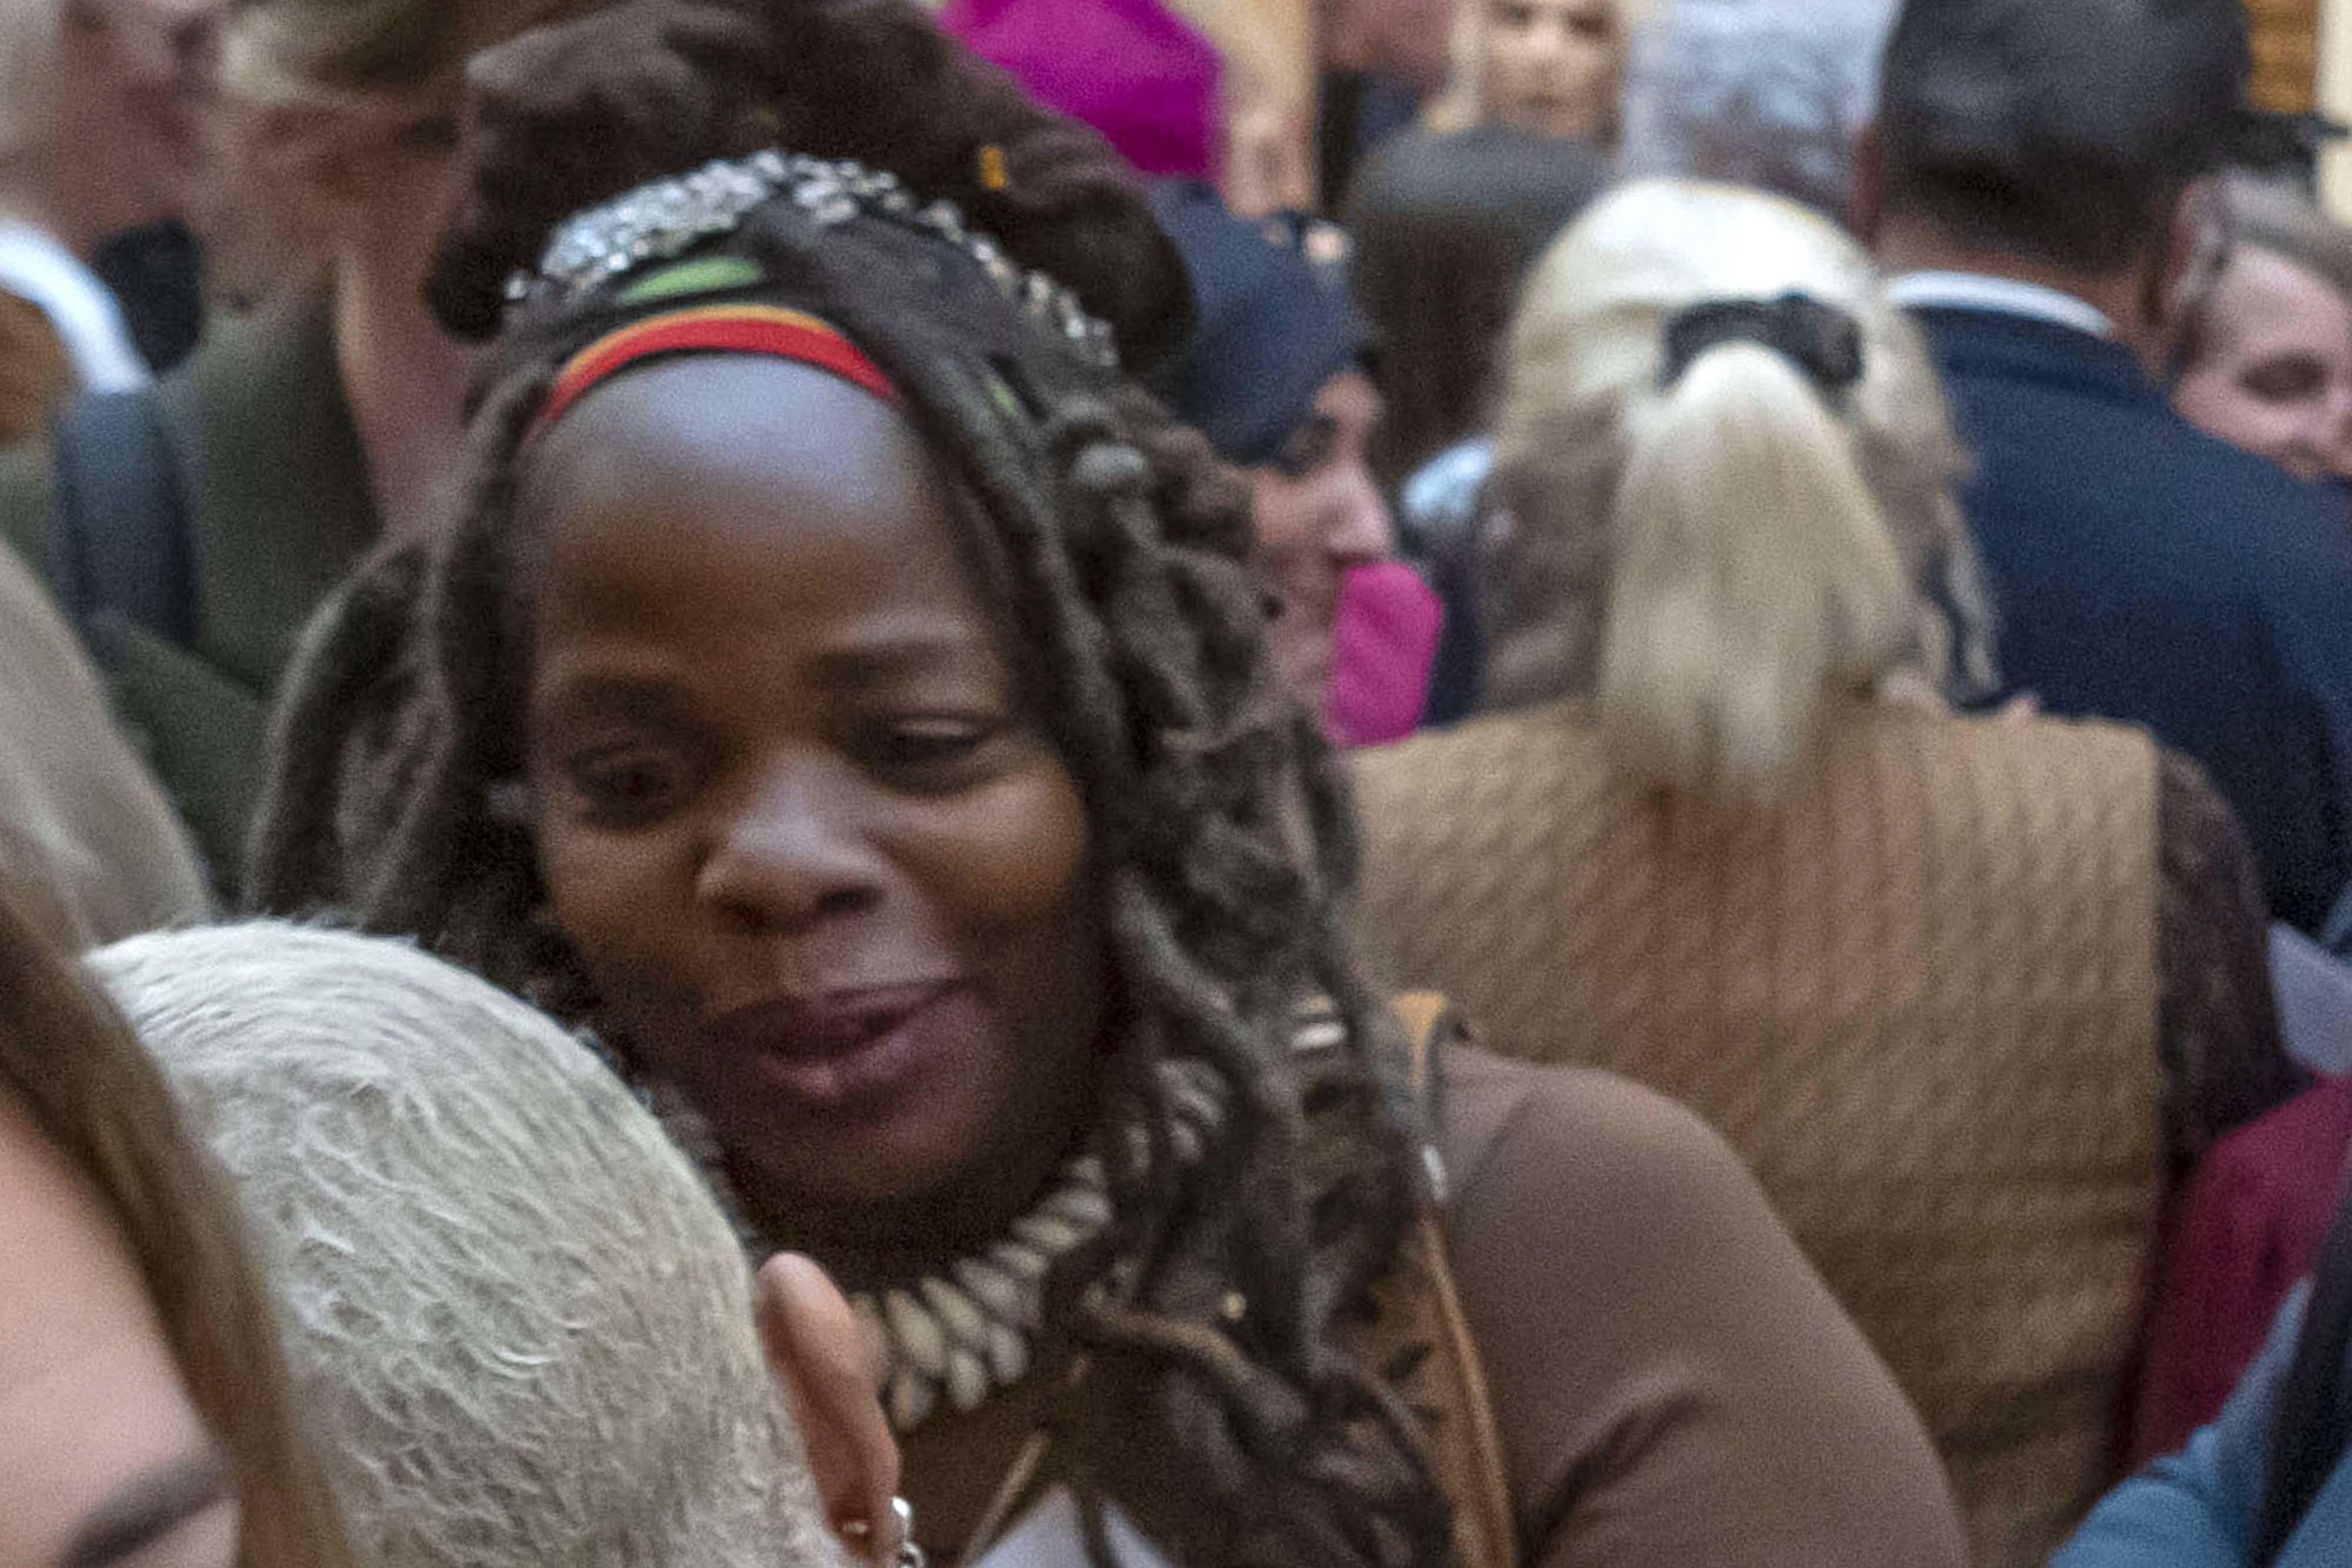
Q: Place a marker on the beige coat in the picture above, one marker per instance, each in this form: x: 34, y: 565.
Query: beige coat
x: 87, y: 847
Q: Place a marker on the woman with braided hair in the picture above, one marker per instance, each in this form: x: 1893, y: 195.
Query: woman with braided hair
x: 843, y: 693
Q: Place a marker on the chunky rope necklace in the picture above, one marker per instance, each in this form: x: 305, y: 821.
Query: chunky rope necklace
x: 950, y: 1340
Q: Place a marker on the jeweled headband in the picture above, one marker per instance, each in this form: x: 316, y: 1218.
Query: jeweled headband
x: 664, y: 220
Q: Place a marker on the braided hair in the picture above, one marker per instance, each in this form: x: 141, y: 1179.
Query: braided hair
x: 1116, y: 540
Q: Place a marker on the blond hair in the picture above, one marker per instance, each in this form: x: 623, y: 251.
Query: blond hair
x: 1705, y: 561
x: 69, y: 1062
x: 520, y: 1324
x: 331, y: 52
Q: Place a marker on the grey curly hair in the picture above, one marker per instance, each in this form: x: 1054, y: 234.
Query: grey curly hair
x: 521, y: 1320
x: 1755, y: 93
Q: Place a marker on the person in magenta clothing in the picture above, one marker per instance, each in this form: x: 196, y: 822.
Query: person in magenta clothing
x: 1278, y: 376
x: 1133, y: 69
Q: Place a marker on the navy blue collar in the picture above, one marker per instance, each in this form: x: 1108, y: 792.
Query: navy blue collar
x: 2018, y: 348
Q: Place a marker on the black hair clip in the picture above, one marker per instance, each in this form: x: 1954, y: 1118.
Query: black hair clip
x: 1820, y: 339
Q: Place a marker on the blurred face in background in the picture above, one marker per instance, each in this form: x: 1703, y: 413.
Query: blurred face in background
x: 1551, y: 67
x: 1317, y: 515
x: 103, y: 1460
x: 2273, y: 373
x: 1408, y: 39
x: 135, y: 79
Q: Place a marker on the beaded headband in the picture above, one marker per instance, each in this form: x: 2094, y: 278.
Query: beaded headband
x: 767, y: 329
x: 665, y: 219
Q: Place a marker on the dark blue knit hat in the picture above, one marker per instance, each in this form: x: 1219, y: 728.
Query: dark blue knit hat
x: 1276, y: 319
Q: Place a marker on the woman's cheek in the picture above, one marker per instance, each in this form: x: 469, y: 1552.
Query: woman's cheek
x: 613, y: 895
x: 1013, y: 852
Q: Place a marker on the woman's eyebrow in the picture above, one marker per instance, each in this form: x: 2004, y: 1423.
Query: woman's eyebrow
x: 147, y: 1508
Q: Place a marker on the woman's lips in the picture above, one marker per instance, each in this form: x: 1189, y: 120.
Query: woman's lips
x: 846, y: 1053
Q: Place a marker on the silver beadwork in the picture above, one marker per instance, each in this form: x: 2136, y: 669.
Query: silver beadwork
x: 665, y: 219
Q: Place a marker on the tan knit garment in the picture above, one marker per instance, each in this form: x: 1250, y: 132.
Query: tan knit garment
x: 1920, y: 1000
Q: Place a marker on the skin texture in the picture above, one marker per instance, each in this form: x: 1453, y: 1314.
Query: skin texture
x: 96, y: 1430
x: 815, y: 1349
x: 1317, y: 515
x: 2143, y: 300
x: 2275, y: 374
x: 780, y: 769
x: 382, y: 180
x: 1552, y: 67
x: 1403, y: 38
x: 137, y: 76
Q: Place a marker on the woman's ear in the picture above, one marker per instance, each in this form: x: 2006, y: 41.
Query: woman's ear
x: 817, y: 1352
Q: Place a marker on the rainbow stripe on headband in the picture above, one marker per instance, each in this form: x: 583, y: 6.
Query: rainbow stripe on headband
x: 768, y: 330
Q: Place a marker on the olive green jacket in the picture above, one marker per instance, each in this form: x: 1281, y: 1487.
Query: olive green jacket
x: 280, y: 490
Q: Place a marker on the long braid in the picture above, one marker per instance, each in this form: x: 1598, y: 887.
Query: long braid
x: 1216, y: 809
x: 1211, y: 883
x: 347, y: 649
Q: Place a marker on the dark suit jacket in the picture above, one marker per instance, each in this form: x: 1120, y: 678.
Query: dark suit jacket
x: 2143, y: 571
x: 258, y: 421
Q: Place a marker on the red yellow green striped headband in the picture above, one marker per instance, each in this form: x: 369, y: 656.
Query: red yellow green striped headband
x: 768, y: 330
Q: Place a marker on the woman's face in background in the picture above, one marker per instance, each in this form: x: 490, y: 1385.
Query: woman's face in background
x: 2273, y: 373
x: 103, y: 1460
x: 136, y: 81
x: 1552, y: 68
x: 1316, y: 515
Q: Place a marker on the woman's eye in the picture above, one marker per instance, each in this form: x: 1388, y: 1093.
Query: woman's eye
x: 2284, y: 381
x: 927, y: 753
x: 1307, y: 450
x: 628, y: 786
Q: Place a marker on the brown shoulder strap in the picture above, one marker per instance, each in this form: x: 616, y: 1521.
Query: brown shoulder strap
x: 1420, y: 1338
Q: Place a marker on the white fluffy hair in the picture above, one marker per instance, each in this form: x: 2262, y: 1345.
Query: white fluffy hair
x: 1707, y: 562
x: 520, y: 1324
x: 1767, y: 93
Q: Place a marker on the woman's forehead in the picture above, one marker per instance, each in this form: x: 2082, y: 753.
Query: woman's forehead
x: 723, y: 419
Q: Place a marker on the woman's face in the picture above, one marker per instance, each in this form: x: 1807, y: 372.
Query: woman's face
x: 103, y: 1461
x: 1316, y: 515
x: 135, y: 79
x: 1552, y: 67
x: 2275, y: 374
x: 823, y: 864
x: 390, y: 180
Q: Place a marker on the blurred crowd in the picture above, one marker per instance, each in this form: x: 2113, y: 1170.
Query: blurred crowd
x: 1341, y: 783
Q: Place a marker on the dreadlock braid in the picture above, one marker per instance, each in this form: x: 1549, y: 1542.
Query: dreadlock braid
x: 1114, y: 541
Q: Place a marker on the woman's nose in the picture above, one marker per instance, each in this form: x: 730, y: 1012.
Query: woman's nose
x: 792, y: 856
x: 1361, y: 528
